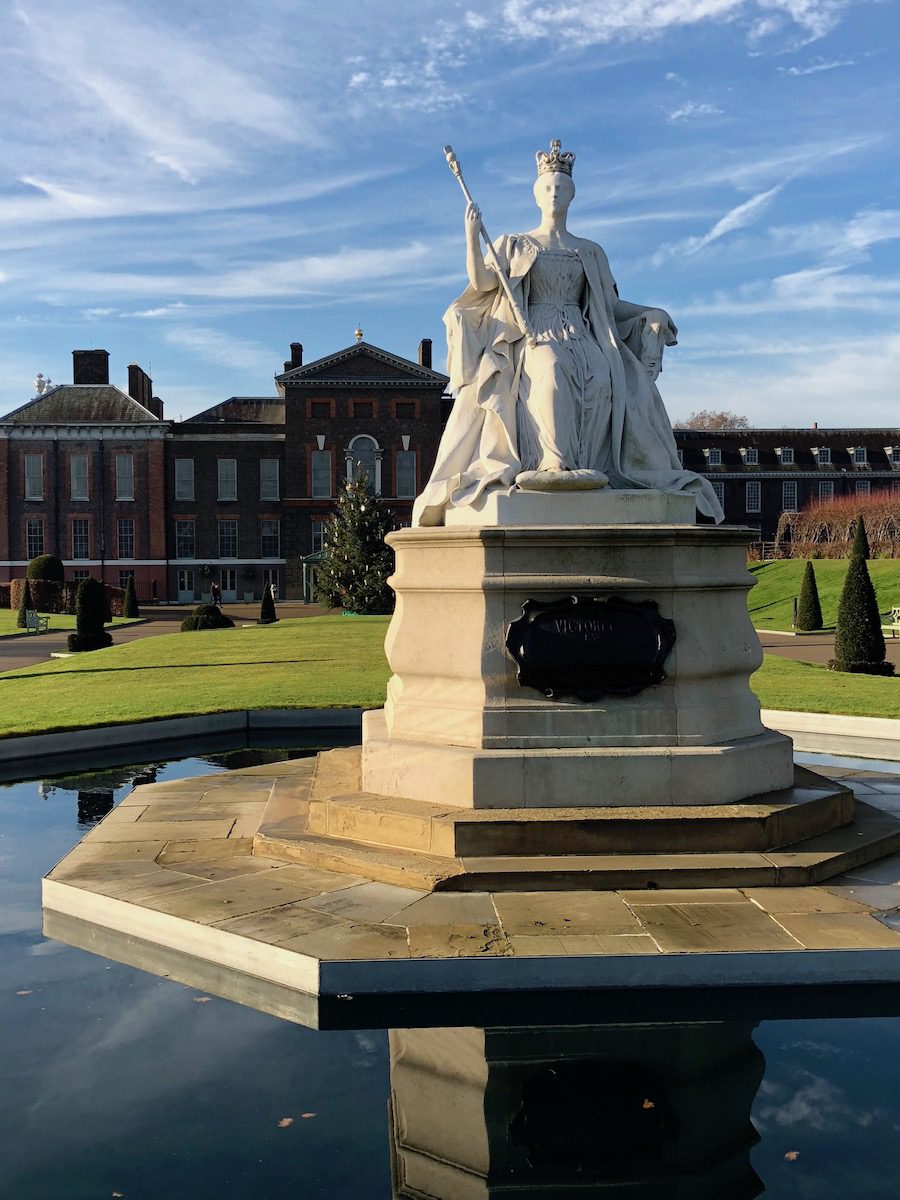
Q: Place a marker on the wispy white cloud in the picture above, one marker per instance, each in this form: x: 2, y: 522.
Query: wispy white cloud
x: 815, y: 68
x: 215, y: 346
x: 736, y: 218
x: 691, y: 109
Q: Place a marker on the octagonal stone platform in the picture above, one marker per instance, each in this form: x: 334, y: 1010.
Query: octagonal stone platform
x: 170, y: 882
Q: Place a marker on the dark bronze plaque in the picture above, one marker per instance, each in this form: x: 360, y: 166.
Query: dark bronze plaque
x: 589, y: 648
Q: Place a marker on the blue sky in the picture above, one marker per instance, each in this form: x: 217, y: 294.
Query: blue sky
x: 195, y: 185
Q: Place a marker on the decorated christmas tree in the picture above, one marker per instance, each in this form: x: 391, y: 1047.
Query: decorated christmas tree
x: 353, y: 572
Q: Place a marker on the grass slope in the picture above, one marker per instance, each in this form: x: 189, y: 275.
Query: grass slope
x: 807, y: 687
x: 777, y: 583
x: 313, y: 662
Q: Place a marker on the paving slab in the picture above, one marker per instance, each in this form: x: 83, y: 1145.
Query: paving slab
x: 681, y: 927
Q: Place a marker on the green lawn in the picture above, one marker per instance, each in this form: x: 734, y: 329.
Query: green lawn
x: 313, y: 662
x: 8, y: 617
x: 778, y: 582
x: 807, y: 687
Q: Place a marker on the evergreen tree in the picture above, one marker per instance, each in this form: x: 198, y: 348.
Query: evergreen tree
x: 24, y: 605
x: 860, y: 547
x: 353, y: 572
x: 130, y: 604
x: 858, y: 640
x: 267, y: 614
x: 90, y: 614
x: 809, y: 610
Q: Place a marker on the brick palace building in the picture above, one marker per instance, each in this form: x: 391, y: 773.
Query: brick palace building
x: 238, y: 494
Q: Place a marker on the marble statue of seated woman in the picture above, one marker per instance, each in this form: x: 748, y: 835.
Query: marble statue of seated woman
x: 571, y: 405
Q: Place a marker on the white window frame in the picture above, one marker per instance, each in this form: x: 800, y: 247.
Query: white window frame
x: 714, y: 458
x: 790, y: 496
x: 184, y: 479
x: 230, y: 521
x: 409, y: 458
x: 179, y: 537
x: 862, y: 486
x: 377, y: 452
x: 860, y: 456
x: 320, y: 482
x: 34, y: 537
x: 79, y: 478
x: 895, y: 455
x: 787, y: 456
x: 125, y: 532
x: 124, y: 477
x: 317, y: 535
x: 277, y: 524
x: 752, y: 456
x: 718, y: 487
x: 81, y: 532
x: 826, y: 489
x: 34, y: 476
x: 269, y: 480
x: 753, y: 488
x: 226, y: 474
x: 823, y: 456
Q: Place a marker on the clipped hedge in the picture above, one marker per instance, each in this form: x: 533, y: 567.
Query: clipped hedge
x: 4, y: 596
x: 206, y: 616
x: 46, y: 566
x: 90, y: 615
x: 48, y: 596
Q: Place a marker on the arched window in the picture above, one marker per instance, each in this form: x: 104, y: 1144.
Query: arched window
x: 364, y: 454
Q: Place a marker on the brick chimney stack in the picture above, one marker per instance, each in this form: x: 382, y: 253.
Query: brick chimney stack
x: 425, y: 353
x: 90, y: 366
x: 140, y: 388
x: 296, y: 354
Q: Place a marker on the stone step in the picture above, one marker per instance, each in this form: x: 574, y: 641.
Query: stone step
x: 813, y: 807
x: 872, y: 835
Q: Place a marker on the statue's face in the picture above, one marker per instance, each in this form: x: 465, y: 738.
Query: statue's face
x: 553, y: 192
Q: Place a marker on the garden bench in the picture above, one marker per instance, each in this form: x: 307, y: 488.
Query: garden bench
x: 36, y: 622
x: 893, y: 625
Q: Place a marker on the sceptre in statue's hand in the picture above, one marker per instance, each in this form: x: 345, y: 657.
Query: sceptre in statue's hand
x: 473, y: 219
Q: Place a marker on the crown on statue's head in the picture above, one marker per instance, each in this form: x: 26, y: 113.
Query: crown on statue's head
x: 555, y: 161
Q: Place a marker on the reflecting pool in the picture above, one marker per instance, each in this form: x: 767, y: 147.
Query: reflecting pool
x: 118, y: 1083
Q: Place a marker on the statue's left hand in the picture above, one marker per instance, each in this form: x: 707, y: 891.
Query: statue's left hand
x: 659, y: 316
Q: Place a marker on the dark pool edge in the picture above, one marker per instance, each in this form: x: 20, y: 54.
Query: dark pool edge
x: 146, y: 733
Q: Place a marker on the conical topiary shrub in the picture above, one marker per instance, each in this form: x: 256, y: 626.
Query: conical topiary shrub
x: 809, y: 609
x: 860, y: 547
x: 858, y: 640
x: 24, y: 605
x: 130, y: 604
x: 90, y: 616
x: 267, y: 613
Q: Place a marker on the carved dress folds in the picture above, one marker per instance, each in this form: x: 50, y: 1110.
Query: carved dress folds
x: 578, y: 399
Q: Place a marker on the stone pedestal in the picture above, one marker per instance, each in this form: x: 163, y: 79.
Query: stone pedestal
x: 459, y: 729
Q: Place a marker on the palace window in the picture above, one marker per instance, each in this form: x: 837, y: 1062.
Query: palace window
x: 78, y: 477
x: 719, y: 488
x: 361, y: 456
x: 826, y: 489
x: 823, y: 456
x: 863, y: 487
x: 789, y: 496
x: 363, y: 409
x: 228, y: 539
x: 895, y: 454
x: 406, y: 473
x: 320, y: 409
x: 227, y: 478
x: 715, y: 457
x: 751, y: 458
x: 184, y: 479
x: 125, y: 532
x: 316, y: 528
x: 787, y: 459
x: 860, y: 455
x: 81, y: 547
x: 79, y: 575
x: 268, y: 479
x: 405, y: 410
x: 270, y: 539
x: 185, y: 539
x: 34, y: 477
x: 34, y: 536
x: 753, y: 497
x: 124, y: 576
x: 124, y: 476
x: 321, y: 473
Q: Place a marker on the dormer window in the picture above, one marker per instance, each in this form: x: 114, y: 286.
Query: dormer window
x: 786, y: 454
x: 823, y: 455
x: 751, y: 456
x: 713, y: 456
x: 893, y: 455
x: 859, y: 454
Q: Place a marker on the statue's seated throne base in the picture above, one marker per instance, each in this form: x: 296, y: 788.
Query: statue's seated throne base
x: 468, y: 779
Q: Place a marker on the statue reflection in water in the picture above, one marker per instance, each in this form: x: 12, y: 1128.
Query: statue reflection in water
x: 648, y: 1112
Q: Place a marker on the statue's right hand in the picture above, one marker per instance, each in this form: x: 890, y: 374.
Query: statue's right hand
x: 473, y: 222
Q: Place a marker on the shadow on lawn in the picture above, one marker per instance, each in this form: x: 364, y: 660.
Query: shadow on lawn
x: 8, y: 676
